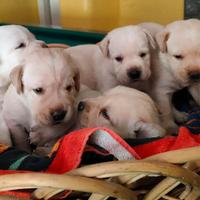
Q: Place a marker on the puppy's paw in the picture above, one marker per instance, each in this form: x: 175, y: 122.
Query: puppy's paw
x: 171, y: 127
x: 35, y: 138
x: 148, y: 130
x: 42, y: 151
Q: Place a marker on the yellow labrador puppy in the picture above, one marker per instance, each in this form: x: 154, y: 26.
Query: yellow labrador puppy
x: 44, y: 137
x: 129, y: 112
x: 178, y: 66
x: 123, y: 57
x: 42, y: 94
x: 15, y: 43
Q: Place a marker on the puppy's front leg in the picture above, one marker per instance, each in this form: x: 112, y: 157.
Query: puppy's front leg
x: 194, y: 90
x: 41, y: 135
x: 44, y: 137
x: 5, y: 137
x: 20, y: 137
x: 164, y: 102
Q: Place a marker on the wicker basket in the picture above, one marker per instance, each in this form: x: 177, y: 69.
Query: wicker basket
x: 172, y: 175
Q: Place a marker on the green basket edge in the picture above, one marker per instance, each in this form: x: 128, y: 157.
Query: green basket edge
x: 64, y: 36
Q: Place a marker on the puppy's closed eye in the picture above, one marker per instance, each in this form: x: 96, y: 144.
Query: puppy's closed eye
x: 104, y: 113
x: 21, y: 45
x: 178, y: 56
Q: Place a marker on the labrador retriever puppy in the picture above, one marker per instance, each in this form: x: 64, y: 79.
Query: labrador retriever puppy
x: 178, y: 66
x: 15, y: 42
x: 44, y: 137
x: 123, y: 57
x: 42, y: 93
x: 129, y: 112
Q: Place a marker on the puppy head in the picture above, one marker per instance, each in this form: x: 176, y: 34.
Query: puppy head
x: 118, y: 109
x: 129, y: 49
x: 48, y: 83
x: 15, y: 42
x: 179, y: 43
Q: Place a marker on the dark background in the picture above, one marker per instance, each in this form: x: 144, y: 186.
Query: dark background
x: 192, y: 9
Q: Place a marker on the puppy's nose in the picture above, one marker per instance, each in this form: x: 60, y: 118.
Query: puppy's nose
x: 134, y: 74
x: 195, y: 76
x: 81, y: 106
x: 58, y: 115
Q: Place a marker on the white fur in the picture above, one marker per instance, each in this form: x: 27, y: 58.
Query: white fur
x: 11, y: 55
x: 131, y: 113
x: 179, y: 57
x: 24, y: 110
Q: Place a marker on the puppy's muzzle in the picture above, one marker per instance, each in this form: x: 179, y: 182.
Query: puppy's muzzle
x: 81, y: 106
x: 194, y: 76
x: 58, y: 116
x: 134, y: 74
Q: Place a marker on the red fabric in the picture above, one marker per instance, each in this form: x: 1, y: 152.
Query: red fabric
x: 75, y: 144
x: 185, y: 139
x: 72, y: 147
x: 18, y: 194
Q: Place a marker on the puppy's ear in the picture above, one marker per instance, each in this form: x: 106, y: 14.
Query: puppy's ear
x: 161, y: 39
x: 16, y: 78
x: 151, y: 40
x: 72, y: 62
x: 104, y: 46
x: 77, y: 80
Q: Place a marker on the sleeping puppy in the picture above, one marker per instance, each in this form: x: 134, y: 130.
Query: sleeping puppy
x: 42, y: 94
x: 129, y: 112
x: 15, y: 42
x: 178, y: 66
x: 123, y: 57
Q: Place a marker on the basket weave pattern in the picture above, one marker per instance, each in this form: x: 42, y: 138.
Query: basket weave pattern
x: 171, y: 175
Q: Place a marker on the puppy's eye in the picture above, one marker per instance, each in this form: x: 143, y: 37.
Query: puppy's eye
x: 21, y: 45
x: 142, y: 55
x: 119, y: 58
x: 178, y: 57
x: 69, y: 88
x: 104, y: 113
x: 38, y: 90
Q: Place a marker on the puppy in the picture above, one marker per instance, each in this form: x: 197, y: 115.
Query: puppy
x: 42, y: 94
x: 15, y: 42
x: 129, y: 112
x: 123, y: 57
x: 178, y: 66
